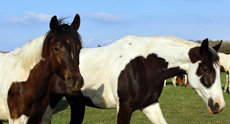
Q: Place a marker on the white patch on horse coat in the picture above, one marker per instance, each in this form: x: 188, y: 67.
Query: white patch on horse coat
x: 225, y: 62
x: 117, y: 55
x: 15, y: 67
x: 154, y: 114
x: 23, y: 119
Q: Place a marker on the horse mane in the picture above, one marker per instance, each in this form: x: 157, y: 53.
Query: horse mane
x: 214, y: 56
x: 29, y: 54
x: 62, y: 28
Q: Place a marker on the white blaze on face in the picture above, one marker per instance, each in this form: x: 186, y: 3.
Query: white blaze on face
x: 71, y: 52
x: 68, y: 42
x: 72, y: 55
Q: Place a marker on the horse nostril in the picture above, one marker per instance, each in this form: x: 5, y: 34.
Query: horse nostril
x: 69, y: 82
x: 69, y: 78
x: 81, y: 82
x: 214, y: 107
x: 217, y: 106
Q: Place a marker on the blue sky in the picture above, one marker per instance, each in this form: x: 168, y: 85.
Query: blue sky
x: 105, y: 21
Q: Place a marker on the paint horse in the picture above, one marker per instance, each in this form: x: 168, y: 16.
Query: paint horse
x: 182, y: 80
x: 25, y: 72
x: 129, y: 75
x: 225, y: 64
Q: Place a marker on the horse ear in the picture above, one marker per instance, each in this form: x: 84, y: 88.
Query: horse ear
x: 76, y: 22
x: 204, y: 46
x: 217, y: 47
x: 53, y: 24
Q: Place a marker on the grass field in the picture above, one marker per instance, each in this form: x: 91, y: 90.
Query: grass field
x: 180, y: 105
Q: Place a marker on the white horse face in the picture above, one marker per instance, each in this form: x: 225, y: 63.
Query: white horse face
x: 204, y: 76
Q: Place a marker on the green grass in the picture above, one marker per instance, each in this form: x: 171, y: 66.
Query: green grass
x: 180, y: 105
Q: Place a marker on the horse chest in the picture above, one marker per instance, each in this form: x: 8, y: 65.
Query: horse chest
x: 3, y: 111
x: 25, y: 95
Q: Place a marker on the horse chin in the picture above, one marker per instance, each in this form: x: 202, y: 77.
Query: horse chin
x: 73, y: 92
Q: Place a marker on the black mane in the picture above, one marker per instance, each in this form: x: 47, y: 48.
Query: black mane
x: 213, y: 56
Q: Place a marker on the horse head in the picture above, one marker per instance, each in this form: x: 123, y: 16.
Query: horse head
x: 204, y: 75
x: 62, y: 47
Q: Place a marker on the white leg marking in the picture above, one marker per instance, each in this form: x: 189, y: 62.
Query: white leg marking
x: 165, y: 82
x: 46, y: 119
x: 226, y: 84
x: 174, y: 81
x: 21, y: 120
x: 185, y: 79
x: 154, y: 114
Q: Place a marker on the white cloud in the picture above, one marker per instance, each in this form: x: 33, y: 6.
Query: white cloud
x: 90, y: 40
x: 30, y: 18
x: 109, y: 41
x: 104, y: 17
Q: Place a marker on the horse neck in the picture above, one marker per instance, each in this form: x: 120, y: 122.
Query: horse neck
x: 177, y: 57
x: 39, y: 77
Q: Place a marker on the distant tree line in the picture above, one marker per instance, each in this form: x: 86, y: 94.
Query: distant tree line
x: 225, y: 46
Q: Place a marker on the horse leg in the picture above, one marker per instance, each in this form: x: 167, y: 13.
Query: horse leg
x: 174, y: 81
x: 1, y: 122
x: 77, y: 110
x: 23, y: 119
x: 54, y: 100
x: 185, y: 80
x: 226, y: 84
x: 154, y: 114
x: 124, y: 114
x: 46, y: 119
x: 165, y: 81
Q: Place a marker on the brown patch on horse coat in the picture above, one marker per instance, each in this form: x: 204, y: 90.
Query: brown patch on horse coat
x: 194, y: 54
x: 179, y: 80
x: 30, y: 97
x: 141, y: 82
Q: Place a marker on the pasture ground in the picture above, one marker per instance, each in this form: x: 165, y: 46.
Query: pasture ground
x: 180, y: 105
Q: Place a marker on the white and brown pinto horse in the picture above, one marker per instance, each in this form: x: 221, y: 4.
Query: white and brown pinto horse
x: 25, y: 72
x: 225, y: 67
x: 129, y: 75
x: 181, y: 80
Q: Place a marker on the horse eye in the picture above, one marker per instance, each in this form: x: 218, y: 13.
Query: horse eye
x: 206, y: 70
x: 56, y: 50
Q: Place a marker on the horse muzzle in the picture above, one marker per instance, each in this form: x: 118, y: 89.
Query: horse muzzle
x: 214, y: 108
x: 74, y: 84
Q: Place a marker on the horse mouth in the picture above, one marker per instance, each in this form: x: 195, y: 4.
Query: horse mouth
x: 214, y: 108
x: 74, y: 92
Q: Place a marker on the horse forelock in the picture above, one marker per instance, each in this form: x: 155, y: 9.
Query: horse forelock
x: 214, y: 56
x: 63, y: 28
